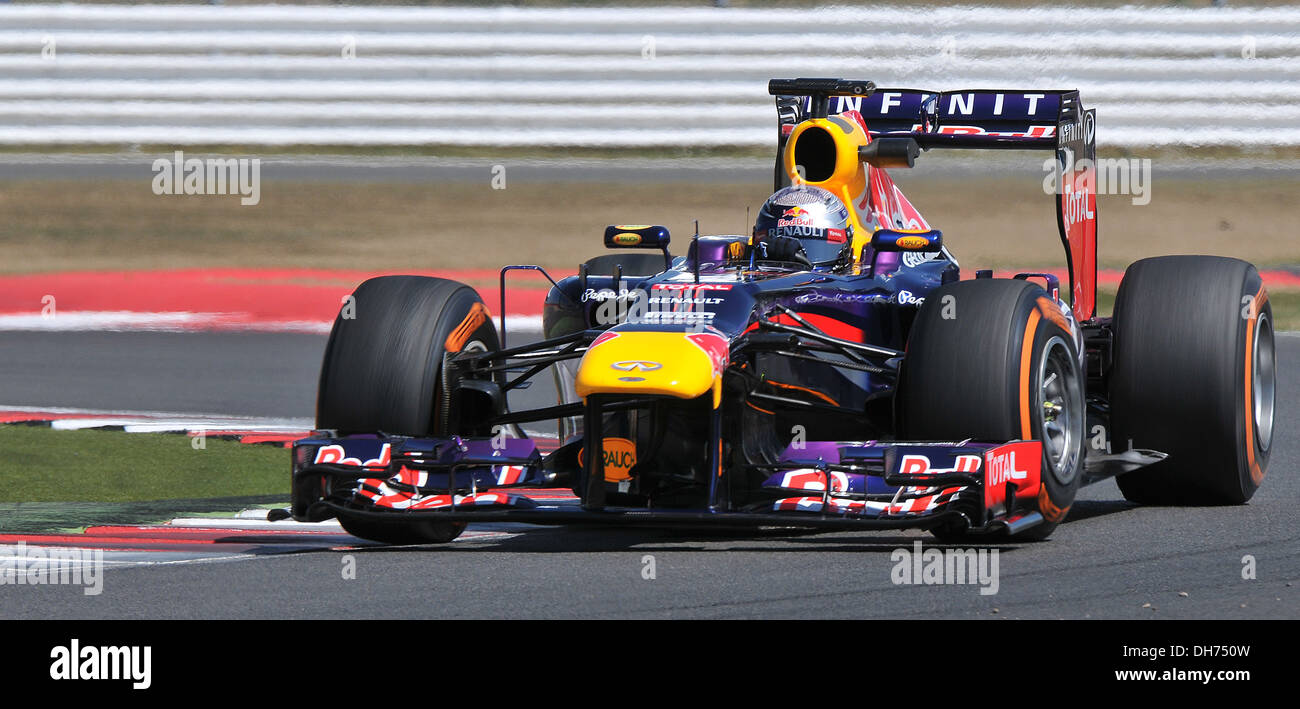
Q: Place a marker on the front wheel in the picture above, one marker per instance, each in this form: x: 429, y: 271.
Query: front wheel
x: 385, y: 371
x: 994, y: 359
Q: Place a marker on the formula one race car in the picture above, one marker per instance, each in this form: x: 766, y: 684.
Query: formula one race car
x: 831, y: 370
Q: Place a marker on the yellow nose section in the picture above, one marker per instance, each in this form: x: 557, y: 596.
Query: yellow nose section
x: 679, y: 364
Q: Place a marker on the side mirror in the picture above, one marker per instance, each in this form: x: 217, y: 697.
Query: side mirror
x: 636, y: 236
x: 892, y: 240
x: 887, y: 244
x: 890, y: 152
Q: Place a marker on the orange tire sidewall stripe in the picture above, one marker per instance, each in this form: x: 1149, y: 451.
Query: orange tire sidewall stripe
x: 1026, y: 369
x: 1049, y: 509
x: 478, y: 314
x: 1256, y: 473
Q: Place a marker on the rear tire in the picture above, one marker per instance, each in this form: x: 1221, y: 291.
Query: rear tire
x: 1194, y: 376
x: 383, y: 373
x: 1001, y: 367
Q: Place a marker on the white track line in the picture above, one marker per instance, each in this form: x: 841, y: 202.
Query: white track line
x: 244, y: 523
x: 206, y: 421
x: 130, y: 321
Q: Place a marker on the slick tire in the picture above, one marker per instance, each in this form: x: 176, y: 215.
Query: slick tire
x: 1194, y: 376
x: 384, y: 361
x: 993, y: 359
x: 383, y: 372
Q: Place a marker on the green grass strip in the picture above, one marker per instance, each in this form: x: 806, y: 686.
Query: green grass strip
x: 39, y: 464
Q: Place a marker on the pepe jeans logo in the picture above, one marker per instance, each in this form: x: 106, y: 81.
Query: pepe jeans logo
x: 636, y: 365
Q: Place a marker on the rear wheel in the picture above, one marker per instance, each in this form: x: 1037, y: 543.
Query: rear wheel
x: 1195, y: 377
x: 994, y: 360
x: 384, y: 371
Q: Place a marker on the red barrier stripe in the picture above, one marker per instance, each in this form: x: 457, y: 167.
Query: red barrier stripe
x: 81, y: 539
x: 37, y: 416
x: 243, y: 298
x: 260, y: 295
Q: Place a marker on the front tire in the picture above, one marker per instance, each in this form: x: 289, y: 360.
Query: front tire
x: 1195, y: 377
x: 994, y: 359
x: 383, y: 365
x: 384, y: 372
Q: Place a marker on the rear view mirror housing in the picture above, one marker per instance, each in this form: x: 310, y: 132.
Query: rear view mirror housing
x: 636, y: 236
x: 891, y: 241
x: 631, y: 236
x: 895, y: 240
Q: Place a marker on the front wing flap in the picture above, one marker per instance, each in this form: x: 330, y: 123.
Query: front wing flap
x: 411, y: 474
x: 985, y: 486
x: 988, y: 483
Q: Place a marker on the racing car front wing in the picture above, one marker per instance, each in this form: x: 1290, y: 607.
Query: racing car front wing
x: 980, y: 486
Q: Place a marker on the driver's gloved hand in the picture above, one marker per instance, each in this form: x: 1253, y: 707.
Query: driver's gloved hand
x: 781, y: 248
x: 778, y: 248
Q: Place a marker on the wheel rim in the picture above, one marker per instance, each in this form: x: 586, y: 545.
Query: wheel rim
x: 1264, y: 382
x: 1060, y: 409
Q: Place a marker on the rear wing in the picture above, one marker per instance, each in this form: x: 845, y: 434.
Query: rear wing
x: 983, y: 119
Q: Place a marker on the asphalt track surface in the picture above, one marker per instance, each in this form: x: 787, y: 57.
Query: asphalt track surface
x: 1111, y: 560
x: 241, y: 374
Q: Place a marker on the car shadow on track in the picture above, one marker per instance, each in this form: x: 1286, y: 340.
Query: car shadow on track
x: 588, y: 540
x: 596, y: 539
x: 1088, y: 509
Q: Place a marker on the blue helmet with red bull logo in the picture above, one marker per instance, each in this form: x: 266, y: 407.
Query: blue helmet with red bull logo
x: 813, y: 216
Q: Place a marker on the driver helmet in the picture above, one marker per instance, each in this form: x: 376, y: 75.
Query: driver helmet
x: 814, y: 216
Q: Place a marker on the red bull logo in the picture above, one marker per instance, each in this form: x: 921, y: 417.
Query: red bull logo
x: 795, y: 216
x: 921, y: 465
x: 337, y: 455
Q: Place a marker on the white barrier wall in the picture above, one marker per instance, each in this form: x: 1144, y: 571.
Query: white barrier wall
x: 499, y: 76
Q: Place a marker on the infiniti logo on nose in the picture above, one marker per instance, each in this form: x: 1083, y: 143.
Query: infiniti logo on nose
x: 636, y: 365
